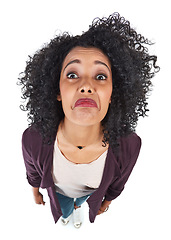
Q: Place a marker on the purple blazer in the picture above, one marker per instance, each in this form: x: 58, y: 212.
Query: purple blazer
x: 38, y: 158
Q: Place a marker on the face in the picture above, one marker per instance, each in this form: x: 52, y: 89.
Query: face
x: 85, y: 86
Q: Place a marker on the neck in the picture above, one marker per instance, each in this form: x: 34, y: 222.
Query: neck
x: 81, y: 135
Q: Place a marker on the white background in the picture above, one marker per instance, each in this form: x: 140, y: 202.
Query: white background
x: 143, y: 210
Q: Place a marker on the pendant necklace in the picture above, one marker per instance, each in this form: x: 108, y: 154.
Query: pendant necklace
x: 80, y: 147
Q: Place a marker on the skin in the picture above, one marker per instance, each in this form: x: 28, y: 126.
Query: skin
x: 85, y: 73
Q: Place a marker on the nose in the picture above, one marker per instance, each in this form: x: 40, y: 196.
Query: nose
x: 86, y: 87
x: 83, y: 90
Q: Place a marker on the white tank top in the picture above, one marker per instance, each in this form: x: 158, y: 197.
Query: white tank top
x: 76, y: 180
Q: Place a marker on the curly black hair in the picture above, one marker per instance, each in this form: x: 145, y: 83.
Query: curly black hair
x: 132, y: 69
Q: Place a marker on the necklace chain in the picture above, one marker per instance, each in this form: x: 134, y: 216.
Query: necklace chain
x: 79, y: 147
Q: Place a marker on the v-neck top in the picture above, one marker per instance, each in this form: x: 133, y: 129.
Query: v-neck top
x: 76, y: 180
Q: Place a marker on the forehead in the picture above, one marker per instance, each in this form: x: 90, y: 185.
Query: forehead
x: 87, y: 54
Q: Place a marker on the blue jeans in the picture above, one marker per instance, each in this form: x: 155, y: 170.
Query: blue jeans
x: 67, y: 203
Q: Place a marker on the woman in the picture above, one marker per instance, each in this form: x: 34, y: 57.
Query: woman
x: 85, y: 94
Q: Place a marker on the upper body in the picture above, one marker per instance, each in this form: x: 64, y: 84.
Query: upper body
x: 38, y: 159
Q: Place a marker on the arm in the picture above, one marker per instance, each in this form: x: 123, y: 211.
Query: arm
x: 33, y: 177
x: 117, y: 186
x: 130, y: 157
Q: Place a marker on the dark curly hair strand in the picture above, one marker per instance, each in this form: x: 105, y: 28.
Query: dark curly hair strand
x: 132, y: 69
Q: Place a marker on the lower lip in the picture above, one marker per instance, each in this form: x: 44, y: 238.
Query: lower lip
x: 85, y: 104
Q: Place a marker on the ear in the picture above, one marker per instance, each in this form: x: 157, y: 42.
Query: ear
x: 59, y: 97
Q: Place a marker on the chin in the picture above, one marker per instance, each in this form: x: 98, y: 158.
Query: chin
x: 85, y: 117
x: 87, y: 122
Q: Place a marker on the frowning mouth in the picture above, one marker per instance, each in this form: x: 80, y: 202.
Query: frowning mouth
x: 85, y: 102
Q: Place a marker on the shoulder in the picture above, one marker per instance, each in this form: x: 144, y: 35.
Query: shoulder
x: 31, y: 132
x: 129, y: 149
x: 33, y: 141
x: 130, y: 142
x: 31, y: 136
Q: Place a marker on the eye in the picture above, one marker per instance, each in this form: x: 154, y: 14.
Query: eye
x: 72, y: 75
x: 101, y: 77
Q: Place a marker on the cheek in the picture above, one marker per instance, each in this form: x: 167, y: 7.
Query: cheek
x: 66, y: 97
x: 63, y: 91
x: 106, y: 98
x: 107, y: 93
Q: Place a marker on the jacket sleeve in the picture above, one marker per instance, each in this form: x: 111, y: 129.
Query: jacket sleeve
x: 129, y: 157
x: 33, y: 176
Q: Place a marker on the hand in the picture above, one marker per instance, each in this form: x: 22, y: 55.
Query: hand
x: 39, y: 198
x: 105, y: 205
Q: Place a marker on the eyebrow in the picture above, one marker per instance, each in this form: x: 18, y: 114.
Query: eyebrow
x: 99, y: 62
x: 96, y: 62
x: 74, y: 61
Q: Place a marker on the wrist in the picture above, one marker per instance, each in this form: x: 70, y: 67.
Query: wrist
x: 104, y: 210
x: 106, y: 203
x: 105, y: 206
x: 35, y: 191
